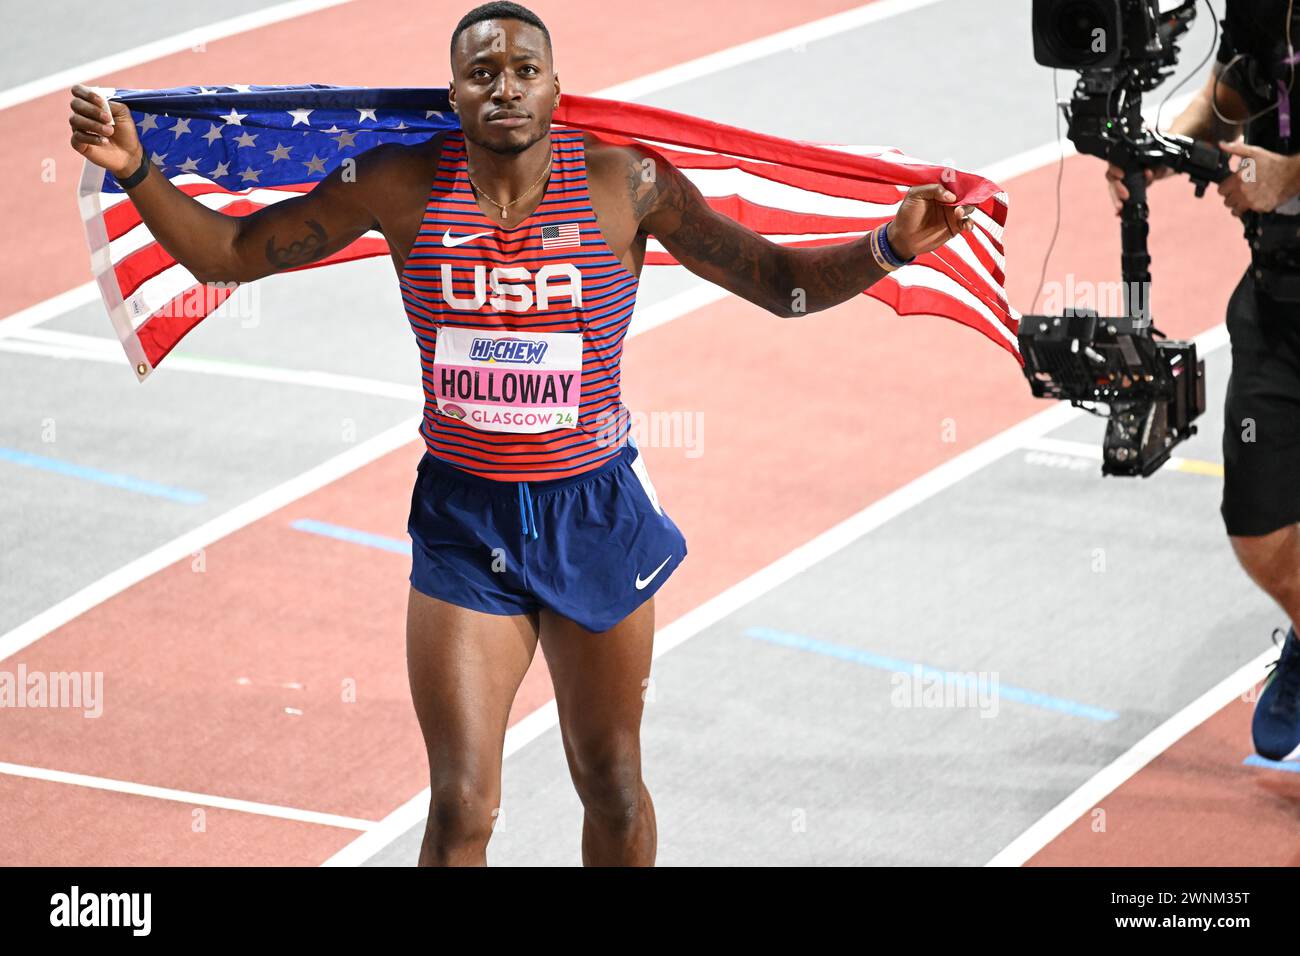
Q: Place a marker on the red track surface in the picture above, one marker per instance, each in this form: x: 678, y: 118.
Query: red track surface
x: 278, y: 606
x: 1195, y: 805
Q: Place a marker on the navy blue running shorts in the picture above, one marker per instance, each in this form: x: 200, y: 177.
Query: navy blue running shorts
x: 591, y: 548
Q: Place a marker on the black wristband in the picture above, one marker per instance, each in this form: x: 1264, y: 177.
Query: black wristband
x: 136, y: 177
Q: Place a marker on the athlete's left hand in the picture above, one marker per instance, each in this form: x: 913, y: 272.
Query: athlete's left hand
x: 1262, y: 181
x: 925, y: 220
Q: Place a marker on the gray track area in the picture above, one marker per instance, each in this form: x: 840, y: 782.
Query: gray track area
x: 1117, y: 595
x: 755, y: 753
x: 38, y: 39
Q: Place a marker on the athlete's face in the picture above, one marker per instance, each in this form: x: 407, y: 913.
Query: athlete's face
x: 503, y: 86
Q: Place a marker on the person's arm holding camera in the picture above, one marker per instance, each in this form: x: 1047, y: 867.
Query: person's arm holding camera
x: 1198, y: 121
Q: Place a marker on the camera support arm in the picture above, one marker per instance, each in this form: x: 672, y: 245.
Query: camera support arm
x: 1123, y: 141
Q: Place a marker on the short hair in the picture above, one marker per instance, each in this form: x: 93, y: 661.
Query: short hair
x: 499, y: 10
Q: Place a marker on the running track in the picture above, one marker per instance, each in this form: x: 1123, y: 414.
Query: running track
x: 231, y: 682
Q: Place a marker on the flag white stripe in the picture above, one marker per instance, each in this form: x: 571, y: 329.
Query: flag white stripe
x: 725, y: 182
x: 968, y: 256
x: 915, y: 277
x: 90, y: 193
x: 157, y: 292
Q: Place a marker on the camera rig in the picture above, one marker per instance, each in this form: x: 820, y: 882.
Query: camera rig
x: 1154, y: 387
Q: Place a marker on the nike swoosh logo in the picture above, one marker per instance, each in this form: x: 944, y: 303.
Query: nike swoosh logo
x: 451, y: 241
x: 640, y: 584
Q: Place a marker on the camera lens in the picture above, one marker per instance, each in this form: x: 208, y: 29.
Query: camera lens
x: 1080, y: 33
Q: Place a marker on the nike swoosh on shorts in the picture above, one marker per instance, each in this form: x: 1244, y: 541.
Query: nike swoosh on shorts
x: 640, y: 584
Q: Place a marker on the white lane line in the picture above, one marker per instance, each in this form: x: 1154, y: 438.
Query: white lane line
x: 1054, y: 823
x: 795, y: 562
x: 780, y: 42
x: 87, y: 72
x: 50, y: 308
x: 738, y: 595
x: 185, y: 796
x: 695, y: 296
x: 201, y: 537
x: 51, y: 343
x: 1099, y: 786
x: 415, y: 811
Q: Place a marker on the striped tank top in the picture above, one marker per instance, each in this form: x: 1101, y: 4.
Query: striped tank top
x: 520, y: 329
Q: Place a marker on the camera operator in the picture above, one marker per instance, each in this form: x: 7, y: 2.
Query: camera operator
x: 1251, y: 91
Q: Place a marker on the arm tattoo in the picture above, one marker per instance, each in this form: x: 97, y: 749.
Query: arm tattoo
x: 756, y: 268
x: 786, y: 281
x: 307, y: 249
x: 642, y: 186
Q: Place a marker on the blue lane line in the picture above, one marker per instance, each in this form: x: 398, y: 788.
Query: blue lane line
x: 1288, y: 766
x: 352, y: 536
x: 897, y: 665
x: 125, y: 482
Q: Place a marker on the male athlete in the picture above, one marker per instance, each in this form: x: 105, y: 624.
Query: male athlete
x: 518, y: 249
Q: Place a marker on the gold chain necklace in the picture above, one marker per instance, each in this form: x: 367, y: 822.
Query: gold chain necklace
x: 523, y: 195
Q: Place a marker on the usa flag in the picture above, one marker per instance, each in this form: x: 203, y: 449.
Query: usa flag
x: 559, y: 236
x: 239, y: 148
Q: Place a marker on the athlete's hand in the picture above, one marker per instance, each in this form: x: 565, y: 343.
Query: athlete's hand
x: 106, y: 139
x: 1119, y: 192
x: 1262, y: 181
x: 925, y: 220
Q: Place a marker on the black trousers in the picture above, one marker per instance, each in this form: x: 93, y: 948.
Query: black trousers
x: 1261, y: 430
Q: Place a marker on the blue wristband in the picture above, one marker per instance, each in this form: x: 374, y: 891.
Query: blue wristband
x: 888, y: 252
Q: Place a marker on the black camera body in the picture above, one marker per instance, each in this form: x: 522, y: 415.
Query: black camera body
x: 1154, y: 388
x: 1097, y: 35
x: 1121, y: 49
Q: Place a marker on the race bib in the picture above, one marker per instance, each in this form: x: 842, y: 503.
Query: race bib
x: 509, y: 381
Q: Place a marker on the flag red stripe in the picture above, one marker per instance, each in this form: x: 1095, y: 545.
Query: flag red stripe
x: 914, y: 300
x: 620, y: 121
x: 826, y: 185
x: 164, y: 328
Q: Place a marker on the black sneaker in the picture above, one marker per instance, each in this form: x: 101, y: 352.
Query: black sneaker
x: 1276, y: 725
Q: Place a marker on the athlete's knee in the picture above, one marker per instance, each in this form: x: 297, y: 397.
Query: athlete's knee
x: 609, y: 784
x: 462, y: 814
x: 1272, y: 559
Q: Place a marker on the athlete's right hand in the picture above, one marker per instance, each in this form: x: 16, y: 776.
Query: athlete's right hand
x: 106, y: 140
x: 1119, y: 192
